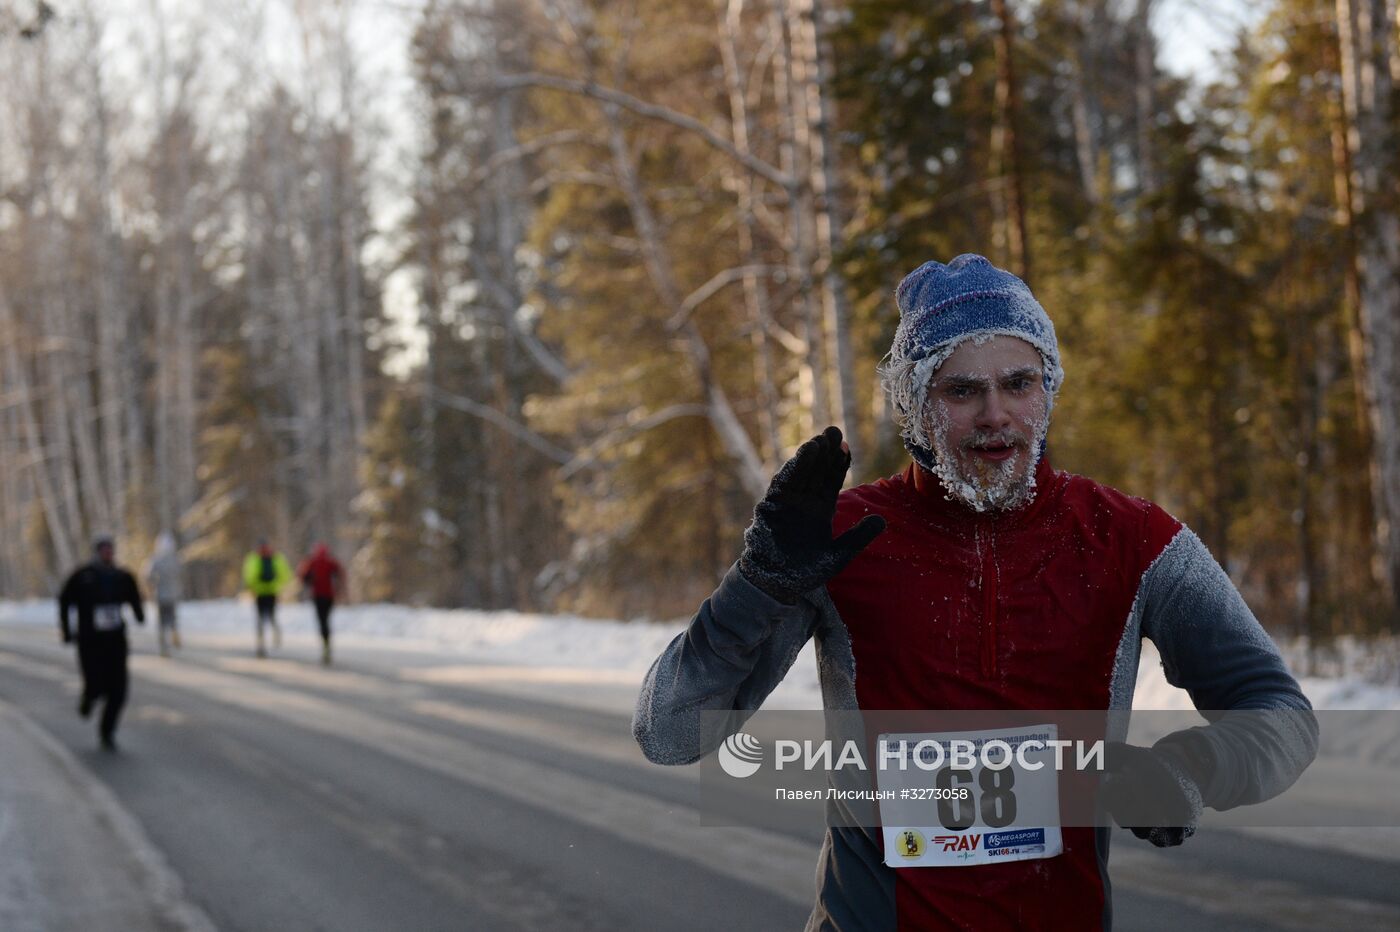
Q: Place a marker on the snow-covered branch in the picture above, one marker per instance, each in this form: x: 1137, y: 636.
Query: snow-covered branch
x: 631, y: 428
x: 712, y: 287
x: 487, y: 413
x: 642, y: 108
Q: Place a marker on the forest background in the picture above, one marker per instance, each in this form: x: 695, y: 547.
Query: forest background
x: 535, y: 333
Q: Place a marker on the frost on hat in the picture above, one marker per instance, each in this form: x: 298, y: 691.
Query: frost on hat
x: 940, y: 306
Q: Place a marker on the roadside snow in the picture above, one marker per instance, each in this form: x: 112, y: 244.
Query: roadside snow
x: 620, y: 652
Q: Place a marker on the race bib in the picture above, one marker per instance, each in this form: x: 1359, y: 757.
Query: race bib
x: 107, y: 617
x: 955, y: 799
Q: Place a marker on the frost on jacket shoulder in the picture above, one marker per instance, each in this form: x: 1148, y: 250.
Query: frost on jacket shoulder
x: 1261, y: 727
x: 734, y: 652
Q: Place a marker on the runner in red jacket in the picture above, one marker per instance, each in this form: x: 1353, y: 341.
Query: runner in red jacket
x: 979, y: 578
x: 321, y: 573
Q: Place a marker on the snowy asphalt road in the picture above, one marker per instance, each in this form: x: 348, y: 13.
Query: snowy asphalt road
x: 408, y: 793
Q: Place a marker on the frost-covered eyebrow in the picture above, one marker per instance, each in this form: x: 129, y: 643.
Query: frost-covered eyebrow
x: 977, y: 381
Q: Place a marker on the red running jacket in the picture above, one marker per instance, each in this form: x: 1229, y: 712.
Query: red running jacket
x: 1043, y: 608
x: 950, y: 609
x: 321, y: 572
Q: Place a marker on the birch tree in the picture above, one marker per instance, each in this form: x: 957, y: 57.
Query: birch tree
x: 1366, y: 37
x: 1006, y: 146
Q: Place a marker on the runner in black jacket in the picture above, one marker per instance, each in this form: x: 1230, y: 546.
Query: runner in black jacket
x: 98, y: 590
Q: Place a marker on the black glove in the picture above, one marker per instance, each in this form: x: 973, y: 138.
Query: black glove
x: 1156, y: 792
x: 788, y: 549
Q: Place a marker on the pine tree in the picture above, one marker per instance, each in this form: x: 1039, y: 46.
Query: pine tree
x: 243, y: 496
x: 406, y: 551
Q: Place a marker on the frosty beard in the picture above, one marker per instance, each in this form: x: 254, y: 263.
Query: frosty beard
x: 984, y: 487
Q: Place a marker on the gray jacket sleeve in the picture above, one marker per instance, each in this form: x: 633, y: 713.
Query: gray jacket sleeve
x: 1262, y: 733
x: 735, y: 651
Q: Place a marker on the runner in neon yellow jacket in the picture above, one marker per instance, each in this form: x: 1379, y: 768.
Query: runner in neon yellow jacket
x: 266, y: 573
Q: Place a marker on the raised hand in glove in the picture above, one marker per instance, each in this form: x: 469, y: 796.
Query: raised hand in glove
x: 788, y: 549
x: 1156, y: 792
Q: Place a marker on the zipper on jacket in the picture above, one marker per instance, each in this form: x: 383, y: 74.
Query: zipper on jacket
x: 989, y: 606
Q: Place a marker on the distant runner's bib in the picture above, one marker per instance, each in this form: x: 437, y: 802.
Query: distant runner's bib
x: 107, y: 617
x: 975, y: 814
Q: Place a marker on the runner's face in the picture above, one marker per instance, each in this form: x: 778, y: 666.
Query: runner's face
x: 105, y: 553
x: 987, y: 413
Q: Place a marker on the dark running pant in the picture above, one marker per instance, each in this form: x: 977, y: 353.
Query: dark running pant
x: 167, y: 627
x: 102, y: 656
x: 323, y: 616
x: 267, y: 609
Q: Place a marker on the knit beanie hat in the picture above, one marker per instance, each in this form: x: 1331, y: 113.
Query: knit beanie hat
x: 940, y: 306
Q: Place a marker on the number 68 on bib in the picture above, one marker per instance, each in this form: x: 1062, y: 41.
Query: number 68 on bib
x: 956, y: 799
